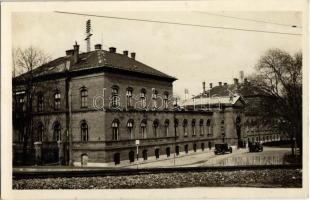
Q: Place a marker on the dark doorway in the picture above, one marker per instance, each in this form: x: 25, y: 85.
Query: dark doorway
x: 117, y: 159
x: 195, y: 147
x: 168, y: 151
x: 144, y: 154
x: 157, y: 153
x: 131, y: 156
x: 177, y: 150
x: 202, y: 146
x: 210, y: 145
x: 186, y: 148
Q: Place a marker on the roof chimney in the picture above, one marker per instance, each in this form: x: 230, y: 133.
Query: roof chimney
x: 133, y: 55
x: 236, y: 81
x: 220, y: 83
x: 76, y: 52
x: 112, y: 50
x: 241, y: 74
x: 203, y: 87
x: 70, y: 52
x: 210, y: 85
x: 125, y: 53
x: 225, y: 84
x: 98, y: 46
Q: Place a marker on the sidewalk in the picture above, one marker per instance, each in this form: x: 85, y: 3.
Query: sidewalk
x: 192, y: 159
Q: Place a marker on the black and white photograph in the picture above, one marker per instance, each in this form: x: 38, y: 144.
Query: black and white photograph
x: 154, y: 97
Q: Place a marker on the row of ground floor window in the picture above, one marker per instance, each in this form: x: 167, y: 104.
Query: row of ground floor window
x: 157, y: 152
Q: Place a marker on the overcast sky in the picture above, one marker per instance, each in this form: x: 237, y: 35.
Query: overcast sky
x: 191, y: 54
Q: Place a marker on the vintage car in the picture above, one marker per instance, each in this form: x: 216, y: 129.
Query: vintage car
x: 222, y: 148
x: 255, y: 147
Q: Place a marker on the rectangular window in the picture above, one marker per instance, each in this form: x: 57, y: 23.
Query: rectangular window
x: 129, y: 98
x: 115, y: 133
x: 84, y: 98
x: 167, y: 131
x: 166, y: 101
x: 154, y: 98
x: 57, y: 101
x: 115, y: 98
x: 143, y: 99
x: 185, y: 131
x: 40, y: 103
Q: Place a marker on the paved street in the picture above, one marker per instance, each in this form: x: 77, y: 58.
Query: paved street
x: 270, y: 155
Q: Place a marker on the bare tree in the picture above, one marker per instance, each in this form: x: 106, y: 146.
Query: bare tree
x: 279, y: 76
x: 25, y: 61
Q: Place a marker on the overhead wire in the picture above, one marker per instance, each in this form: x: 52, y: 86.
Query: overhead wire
x: 248, y: 19
x: 179, y: 23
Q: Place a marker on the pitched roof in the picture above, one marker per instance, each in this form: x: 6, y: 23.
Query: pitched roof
x: 242, y: 89
x: 224, y: 100
x: 95, y: 59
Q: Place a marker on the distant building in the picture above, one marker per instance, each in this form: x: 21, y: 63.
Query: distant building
x: 237, y: 102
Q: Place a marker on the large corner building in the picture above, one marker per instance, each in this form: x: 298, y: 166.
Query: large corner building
x: 91, y: 108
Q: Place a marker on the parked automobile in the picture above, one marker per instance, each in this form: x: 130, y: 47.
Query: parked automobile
x: 255, y: 147
x: 222, y: 148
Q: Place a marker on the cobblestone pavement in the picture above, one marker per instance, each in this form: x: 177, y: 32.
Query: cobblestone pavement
x: 280, y: 178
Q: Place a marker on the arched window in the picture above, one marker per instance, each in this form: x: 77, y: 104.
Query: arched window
x: 154, y: 97
x: 130, y: 128
x: 155, y: 127
x: 84, y: 97
x: 143, y: 98
x: 57, y: 100
x: 40, y: 132
x: 167, y: 127
x: 194, y: 127
x: 40, y: 102
x: 129, y: 97
x: 115, y: 98
x: 57, y: 132
x: 84, y: 131
x: 201, y: 129
x: 166, y: 96
x: 143, y: 129
x: 115, y: 130
x: 185, y: 125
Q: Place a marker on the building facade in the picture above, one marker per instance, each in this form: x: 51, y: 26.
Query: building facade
x: 93, y: 108
x: 241, y: 101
